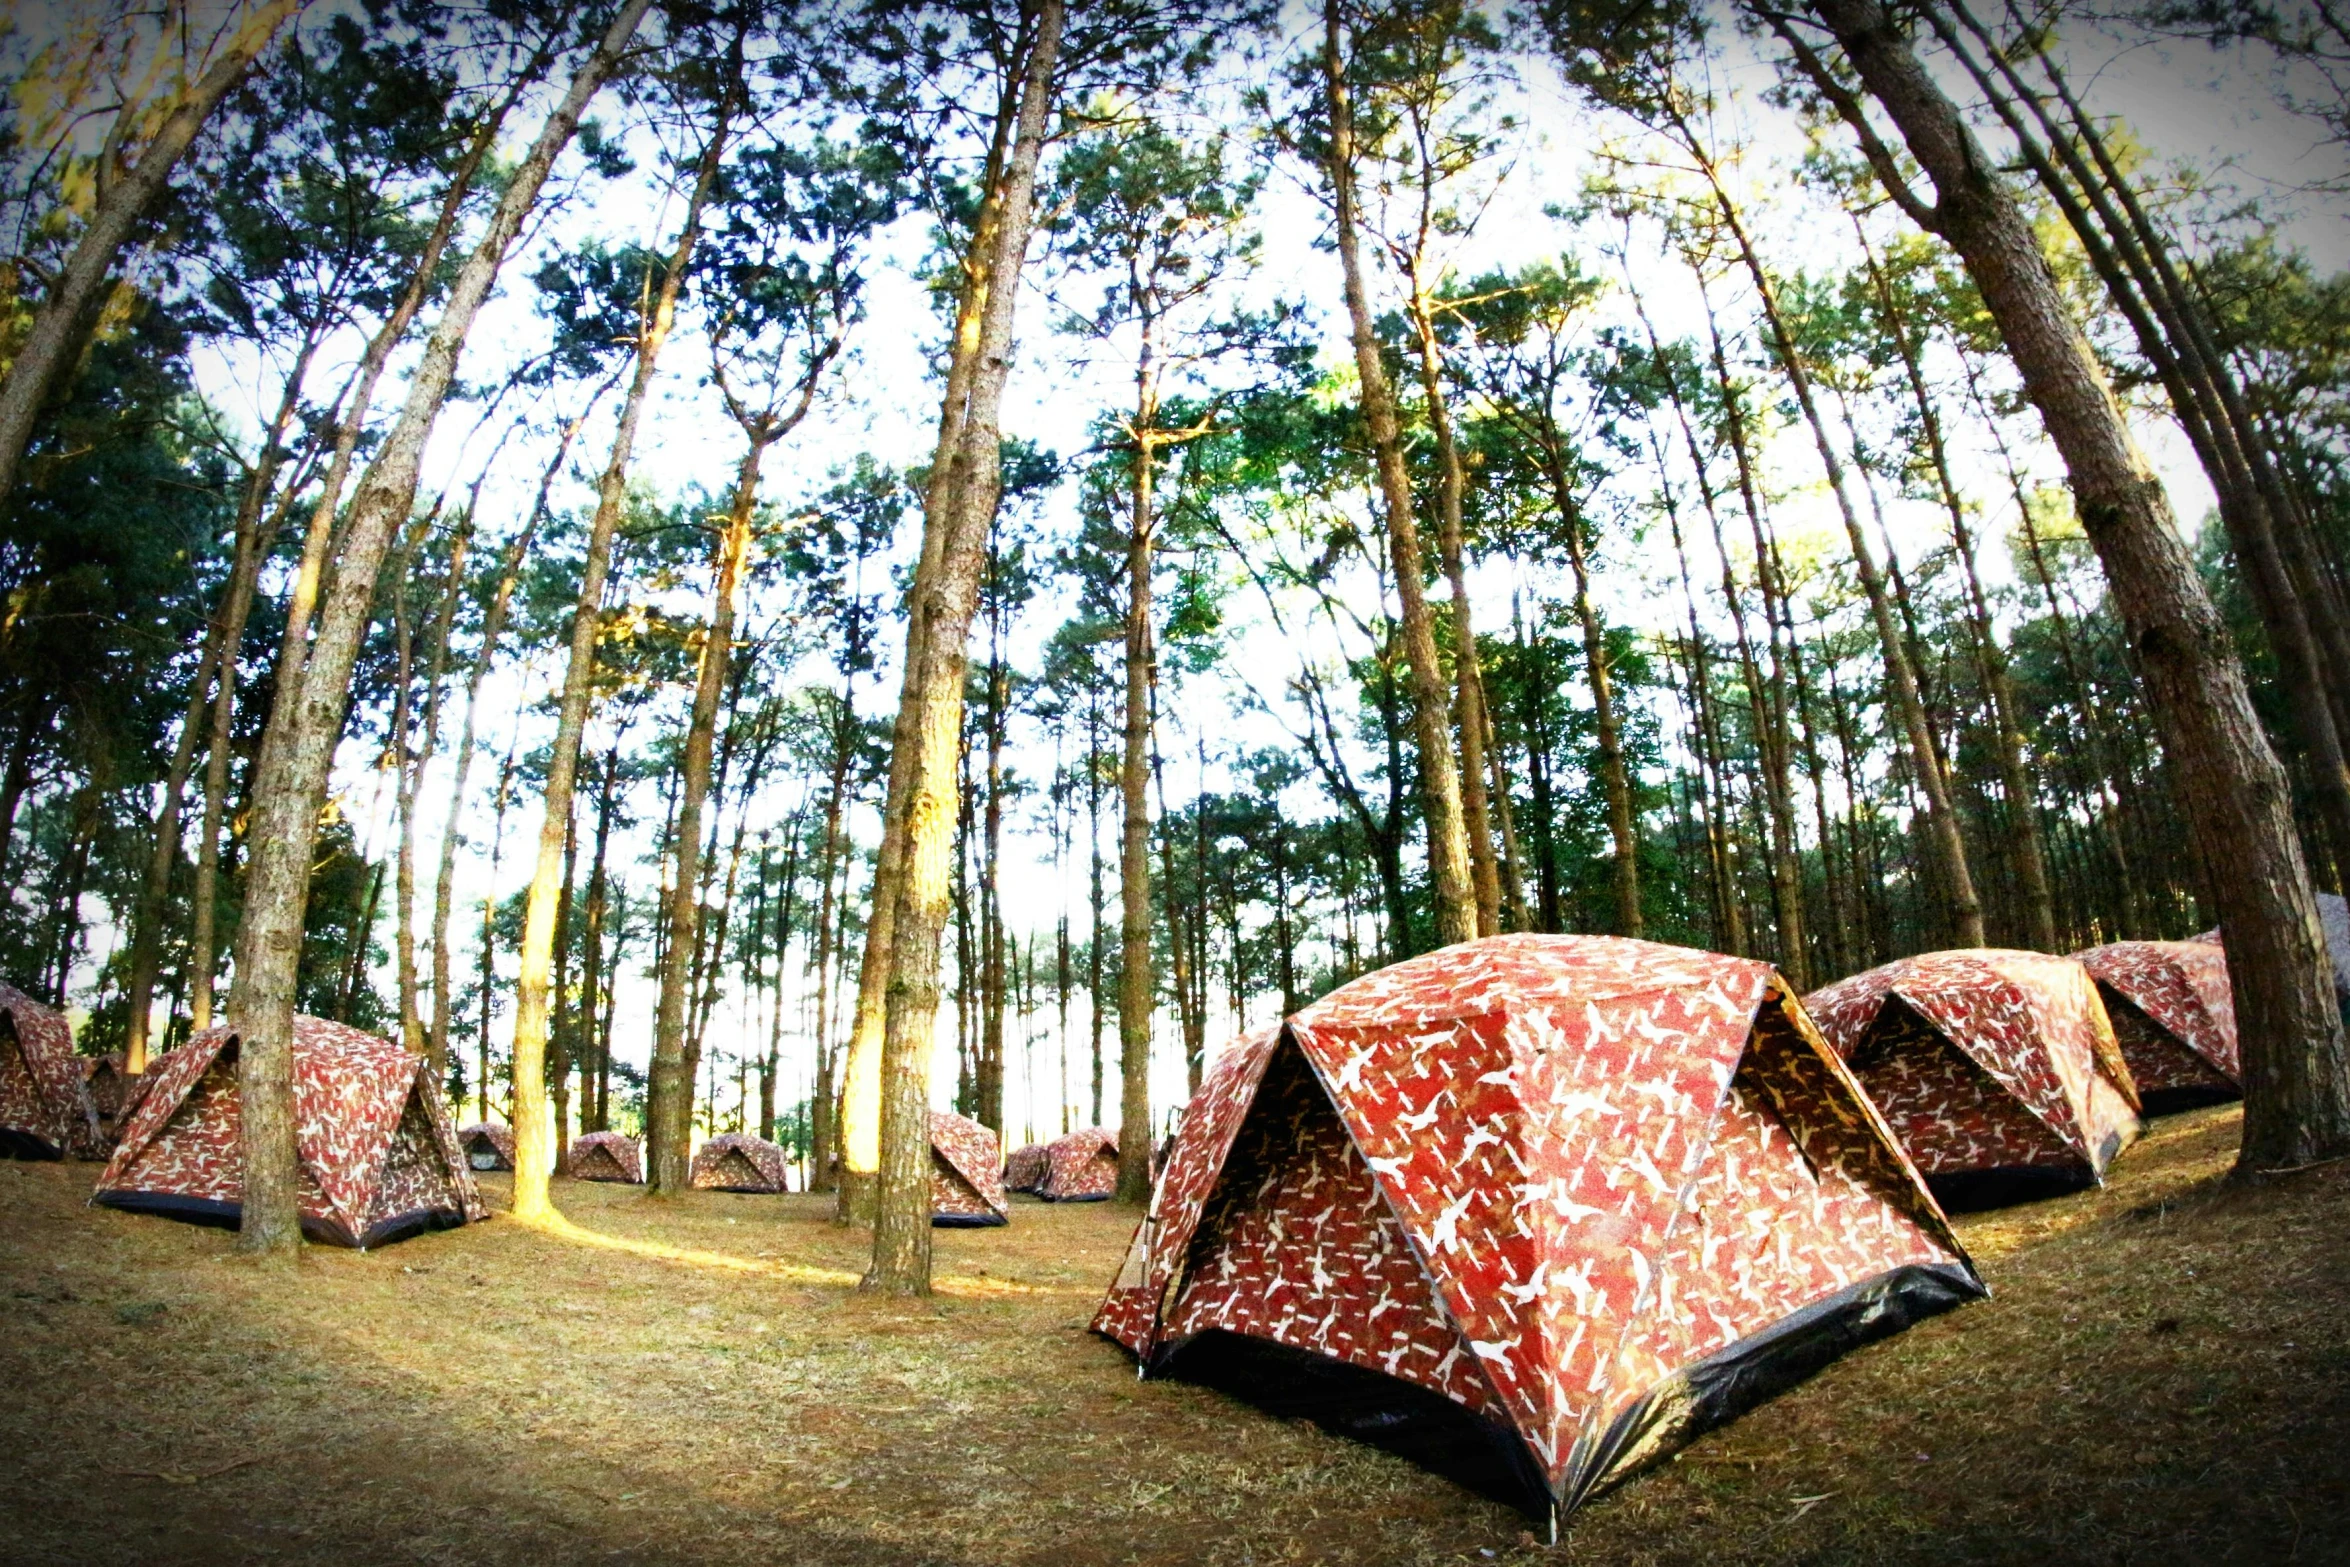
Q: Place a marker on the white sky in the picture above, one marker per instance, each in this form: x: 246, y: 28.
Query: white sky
x: 2184, y: 102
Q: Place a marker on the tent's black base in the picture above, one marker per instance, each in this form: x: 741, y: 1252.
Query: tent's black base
x: 608, y: 1180
x: 1487, y: 1457
x: 746, y: 1191
x: 1761, y: 1366
x: 1973, y: 1191
x: 17, y: 1143
x: 1077, y: 1197
x: 1400, y: 1417
x: 966, y: 1221
x: 2176, y: 1101
x: 319, y: 1232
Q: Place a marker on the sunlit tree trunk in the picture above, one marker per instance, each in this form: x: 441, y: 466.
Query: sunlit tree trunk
x: 670, y: 1083
x: 861, y: 1088
x: 533, y: 1158
x: 931, y: 710
x: 313, y: 692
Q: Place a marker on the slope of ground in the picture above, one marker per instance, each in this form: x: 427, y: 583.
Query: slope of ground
x: 2159, y: 1377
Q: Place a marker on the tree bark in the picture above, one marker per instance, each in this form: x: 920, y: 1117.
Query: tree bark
x: 297, y: 751
x: 1468, y: 677
x: 930, y: 714
x: 1137, y: 984
x: 2296, y: 1072
x: 861, y: 1090
x: 493, y: 627
x: 670, y: 1084
x: 1440, y: 785
x: 533, y: 1159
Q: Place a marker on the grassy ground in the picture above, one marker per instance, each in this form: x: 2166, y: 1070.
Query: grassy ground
x: 2161, y: 1377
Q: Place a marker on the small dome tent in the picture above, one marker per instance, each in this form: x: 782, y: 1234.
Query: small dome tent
x: 1081, y: 1167
x: 607, y: 1156
x: 966, y: 1174
x: 1997, y: 1070
x: 2174, y: 1016
x: 1532, y: 1209
x: 733, y: 1162
x: 487, y: 1145
x: 45, y: 1108
x: 1024, y: 1171
x: 114, y: 1092
x: 379, y: 1158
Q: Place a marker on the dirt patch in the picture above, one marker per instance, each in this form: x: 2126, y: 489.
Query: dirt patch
x: 2158, y: 1377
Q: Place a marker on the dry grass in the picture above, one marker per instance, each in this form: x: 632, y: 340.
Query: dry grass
x: 2160, y: 1377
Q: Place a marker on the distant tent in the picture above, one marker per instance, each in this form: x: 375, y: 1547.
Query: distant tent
x: 45, y: 1108
x: 1997, y: 1070
x: 1081, y: 1167
x: 487, y: 1145
x: 1025, y: 1170
x: 2175, y: 1018
x: 114, y: 1093
x: 966, y: 1174
x: 2333, y: 915
x: 1533, y: 1210
x: 379, y: 1159
x: 732, y: 1162
x: 607, y: 1156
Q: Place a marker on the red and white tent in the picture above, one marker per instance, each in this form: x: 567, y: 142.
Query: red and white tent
x: 1081, y: 1167
x: 2174, y: 1015
x: 114, y: 1093
x: 607, y: 1156
x: 1573, y: 1199
x: 1998, y: 1070
x: 966, y: 1174
x: 733, y: 1162
x: 487, y: 1145
x: 45, y: 1108
x: 379, y: 1158
x: 1024, y: 1171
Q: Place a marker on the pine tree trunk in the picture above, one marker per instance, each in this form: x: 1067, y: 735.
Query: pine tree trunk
x: 53, y: 340
x: 1440, y: 785
x: 861, y: 1087
x: 217, y: 669
x: 493, y: 626
x: 1468, y: 679
x: 1966, y: 910
x: 297, y: 750
x: 670, y: 1082
x: 1766, y: 702
x: 2236, y: 799
x: 533, y: 1158
x: 1137, y: 984
x: 931, y: 710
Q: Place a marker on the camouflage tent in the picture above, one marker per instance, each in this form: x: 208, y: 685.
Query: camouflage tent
x: 1024, y: 1171
x: 1997, y: 1070
x: 2174, y: 1016
x: 1534, y: 1210
x: 114, y: 1092
x: 487, y: 1145
x: 1081, y: 1167
x: 966, y: 1174
x: 607, y: 1156
x: 45, y: 1108
x: 379, y: 1158
x: 732, y: 1162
